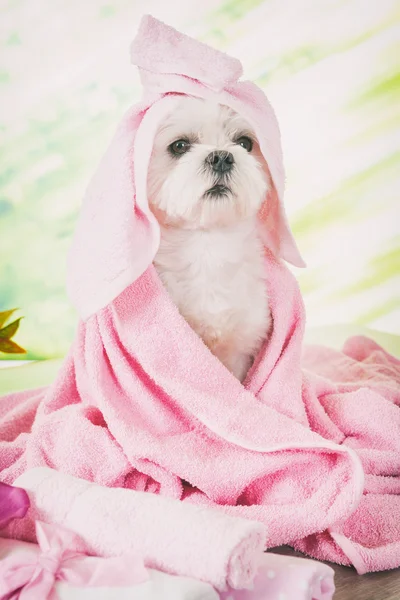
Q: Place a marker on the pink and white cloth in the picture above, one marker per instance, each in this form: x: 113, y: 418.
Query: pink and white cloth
x: 33, y: 573
x: 278, y: 579
x: 202, y: 543
x: 309, y: 446
x: 281, y: 577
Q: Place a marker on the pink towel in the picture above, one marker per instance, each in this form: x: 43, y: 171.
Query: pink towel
x: 177, y: 538
x: 170, y: 535
x: 283, y: 577
x: 25, y: 564
x: 141, y: 403
x: 280, y: 577
x: 33, y: 576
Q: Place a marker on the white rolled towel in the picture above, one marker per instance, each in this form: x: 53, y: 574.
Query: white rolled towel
x: 172, y: 536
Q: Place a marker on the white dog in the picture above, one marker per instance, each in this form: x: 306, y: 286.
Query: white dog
x: 207, y: 180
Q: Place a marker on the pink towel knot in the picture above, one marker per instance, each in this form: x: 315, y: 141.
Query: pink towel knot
x: 161, y: 50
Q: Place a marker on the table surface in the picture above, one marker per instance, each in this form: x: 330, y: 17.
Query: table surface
x: 351, y: 586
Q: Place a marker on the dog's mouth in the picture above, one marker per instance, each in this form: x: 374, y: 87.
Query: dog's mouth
x: 217, y: 190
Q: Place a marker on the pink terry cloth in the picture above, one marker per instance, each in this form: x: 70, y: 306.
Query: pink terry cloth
x: 311, y: 451
x: 171, y: 536
x: 213, y: 547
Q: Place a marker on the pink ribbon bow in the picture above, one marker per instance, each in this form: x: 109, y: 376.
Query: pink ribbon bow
x: 25, y: 576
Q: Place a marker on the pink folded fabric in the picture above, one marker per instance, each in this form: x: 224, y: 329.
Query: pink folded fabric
x: 311, y: 450
x: 85, y: 578
x: 167, y: 534
x: 279, y: 578
x: 287, y: 578
x: 33, y: 576
x: 177, y: 538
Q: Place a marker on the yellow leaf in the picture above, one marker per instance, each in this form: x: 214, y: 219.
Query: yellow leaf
x: 9, y: 347
x: 5, y: 315
x: 11, y: 329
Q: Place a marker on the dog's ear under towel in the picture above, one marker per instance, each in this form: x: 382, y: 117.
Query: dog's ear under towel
x: 117, y: 236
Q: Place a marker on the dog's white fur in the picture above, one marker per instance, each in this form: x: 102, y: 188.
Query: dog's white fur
x: 210, y: 257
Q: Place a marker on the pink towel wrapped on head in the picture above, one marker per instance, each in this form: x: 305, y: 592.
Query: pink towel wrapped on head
x: 141, y: 402
x: 117, y: 236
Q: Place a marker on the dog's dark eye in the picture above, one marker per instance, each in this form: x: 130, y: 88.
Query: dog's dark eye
x: 179, y: 147
x: 245, y: 142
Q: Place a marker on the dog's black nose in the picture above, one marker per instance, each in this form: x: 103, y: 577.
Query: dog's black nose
x: 221, y: 162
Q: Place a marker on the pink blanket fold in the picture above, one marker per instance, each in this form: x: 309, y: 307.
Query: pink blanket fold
x: 311, y: 450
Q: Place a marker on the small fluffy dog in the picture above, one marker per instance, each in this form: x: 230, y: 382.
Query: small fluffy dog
x: 207, y: 180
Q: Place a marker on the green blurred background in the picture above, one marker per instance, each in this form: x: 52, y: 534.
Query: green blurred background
x: 331, y: 70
